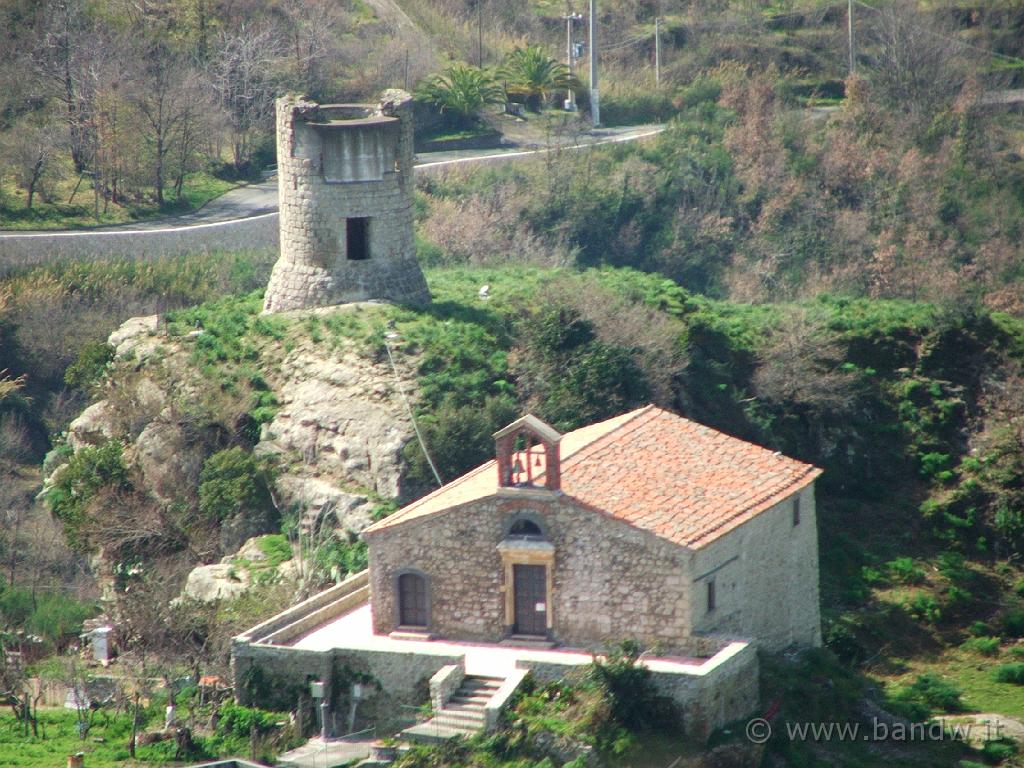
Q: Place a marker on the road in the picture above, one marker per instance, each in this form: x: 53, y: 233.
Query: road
x: 258, y: 199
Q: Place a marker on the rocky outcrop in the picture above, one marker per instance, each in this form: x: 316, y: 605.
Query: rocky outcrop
x: 337, y: 437
x: 220, y: 581
x: 344, y: 420
x: 166, y: 458
x: 137, y: 334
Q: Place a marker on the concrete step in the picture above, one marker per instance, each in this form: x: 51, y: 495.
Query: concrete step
x: 460, y: 717
x: 436, y: 733
x: 469, y: 701
x: 450, y: 707
x: 480, y: 686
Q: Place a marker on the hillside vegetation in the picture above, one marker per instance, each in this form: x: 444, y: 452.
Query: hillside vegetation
x: 843, y: 285
x: 910, y: 407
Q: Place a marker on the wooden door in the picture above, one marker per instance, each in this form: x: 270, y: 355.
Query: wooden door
x: 530, y: 599
x: 412, y: 600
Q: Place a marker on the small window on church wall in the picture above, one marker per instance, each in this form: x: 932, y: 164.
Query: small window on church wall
x: 526, y: 528
x: 796, y: 511
x: 357, y: 239
x: 711, y: 595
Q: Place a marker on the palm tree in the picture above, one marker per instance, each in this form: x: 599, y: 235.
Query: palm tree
x: 534, y: 74
x: 462, y: 90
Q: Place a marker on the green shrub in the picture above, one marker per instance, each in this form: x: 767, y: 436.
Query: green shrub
x: 630, y: 692
x: 90, y: 365
x: 925, y: 608
x: 77, y: 482
x: 238, y: 721
x: 927, y: 693
x: 904, y: 571
x: 1013, y: 622
x: 979, y: 629
x: 999, y: 751
x: 53, y: 616
x: 276, y: 547
x: 1009, y: 673
x: 340, y: 556
x: 986, y: 646
x: 234, y: 481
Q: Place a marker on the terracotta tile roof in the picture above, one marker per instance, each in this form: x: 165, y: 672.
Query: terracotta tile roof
x: 654, y: 470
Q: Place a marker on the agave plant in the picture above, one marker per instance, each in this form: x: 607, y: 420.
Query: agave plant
x: 461, y: 90
x: 531, y: 72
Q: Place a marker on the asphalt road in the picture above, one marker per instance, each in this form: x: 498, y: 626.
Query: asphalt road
x: 256, y: 199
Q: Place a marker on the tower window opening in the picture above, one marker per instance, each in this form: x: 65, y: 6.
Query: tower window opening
x: 357, y: 239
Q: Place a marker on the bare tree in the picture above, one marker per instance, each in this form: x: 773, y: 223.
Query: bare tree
x: 30, y: 150
x: 919, y: 66
x: 801, y: 364
x: 241, y: 73
x: 67, y: 60
x: 15, y: 691
x: 162, y: 97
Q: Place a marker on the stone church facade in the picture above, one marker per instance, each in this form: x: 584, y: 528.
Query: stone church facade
x: 647, y: 526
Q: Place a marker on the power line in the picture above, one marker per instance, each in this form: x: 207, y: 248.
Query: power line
x: 994, y: 54
x: 412, y: 416
x: 624, y: 43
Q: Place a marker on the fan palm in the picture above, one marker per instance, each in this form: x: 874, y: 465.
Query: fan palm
x: 536, y: 75
x: 462, y: 90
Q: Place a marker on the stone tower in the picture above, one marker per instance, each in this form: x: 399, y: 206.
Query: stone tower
x: 345, y: 188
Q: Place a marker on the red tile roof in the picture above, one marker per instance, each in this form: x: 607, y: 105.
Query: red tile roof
x: 651, y: 469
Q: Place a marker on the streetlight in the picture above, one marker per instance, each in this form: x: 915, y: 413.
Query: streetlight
x: 570, y: 96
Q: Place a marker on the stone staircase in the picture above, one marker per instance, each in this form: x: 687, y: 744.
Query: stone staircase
x: 463, y: 714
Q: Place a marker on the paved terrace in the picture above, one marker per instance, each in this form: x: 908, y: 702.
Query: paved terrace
x: 305, y: 641
x: 340, y: 618
x: 354, y: 630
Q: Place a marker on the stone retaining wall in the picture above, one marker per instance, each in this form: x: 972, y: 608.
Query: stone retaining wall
x: 319, y: 609
x: 32, y: 249
x: 398, y: 682
x: 720, y: 690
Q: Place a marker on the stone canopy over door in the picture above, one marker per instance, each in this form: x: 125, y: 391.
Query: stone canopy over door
x: 528, y: 562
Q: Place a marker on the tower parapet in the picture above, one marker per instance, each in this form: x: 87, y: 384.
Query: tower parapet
x: 345, y: 188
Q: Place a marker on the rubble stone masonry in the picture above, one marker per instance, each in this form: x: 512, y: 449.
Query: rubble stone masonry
x: 338, y: 163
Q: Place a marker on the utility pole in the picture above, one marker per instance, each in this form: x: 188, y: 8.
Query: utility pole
x: 657, y: 50
x: 480, y: 33
x: 595, y: 105
x: 570, y: 96
x: 849, y: 31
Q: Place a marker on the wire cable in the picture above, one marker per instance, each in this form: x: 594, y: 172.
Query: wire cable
x: 994, y: 54
x: 412, y: 416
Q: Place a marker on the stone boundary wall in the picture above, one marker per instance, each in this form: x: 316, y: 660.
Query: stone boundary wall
x: 399, y: 681
x: 18, y: 251
x: 316, y: 610
x: 722, y: 689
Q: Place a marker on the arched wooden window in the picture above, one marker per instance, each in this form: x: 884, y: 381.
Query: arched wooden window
x: 412, y: 600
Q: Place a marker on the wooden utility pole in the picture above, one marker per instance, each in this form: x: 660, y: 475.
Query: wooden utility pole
x: 657, y: 50
x: 480, y: 33
x: 595, y: 102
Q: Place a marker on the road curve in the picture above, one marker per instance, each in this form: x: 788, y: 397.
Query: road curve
x: 261, y: 199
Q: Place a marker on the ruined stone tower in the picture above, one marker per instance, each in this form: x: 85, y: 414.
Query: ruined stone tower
x: 345, y: 187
